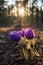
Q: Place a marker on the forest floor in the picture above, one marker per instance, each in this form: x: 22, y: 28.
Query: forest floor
x: 7, y: 49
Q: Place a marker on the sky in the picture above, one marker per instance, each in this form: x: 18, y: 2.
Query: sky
x: 10, y: 2
x: 13, y: 1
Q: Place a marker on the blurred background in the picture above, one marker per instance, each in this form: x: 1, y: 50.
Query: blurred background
x: 21, y: 13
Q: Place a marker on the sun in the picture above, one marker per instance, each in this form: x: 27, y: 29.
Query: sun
x: 21, y: 12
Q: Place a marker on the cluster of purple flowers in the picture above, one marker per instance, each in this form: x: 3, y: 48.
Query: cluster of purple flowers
x: 16, y: 35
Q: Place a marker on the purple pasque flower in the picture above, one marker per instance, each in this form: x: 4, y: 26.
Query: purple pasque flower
x: 21, y: 32
x: 14, y: 36
x: 29, y: 34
